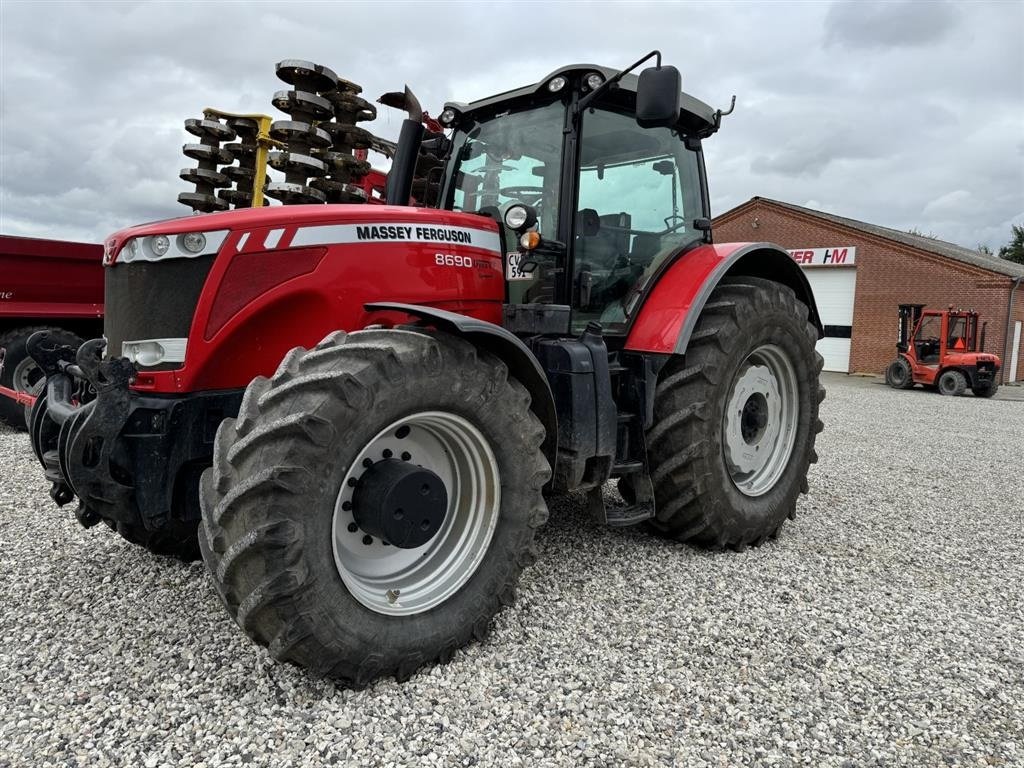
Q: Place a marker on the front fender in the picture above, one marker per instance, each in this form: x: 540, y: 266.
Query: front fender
x: 668, y: 316
x: 498, y: 341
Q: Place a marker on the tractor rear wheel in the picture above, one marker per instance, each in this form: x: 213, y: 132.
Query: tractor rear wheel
x: 20, y: 371
x: 898, y: 375
x: 735, y: 419
x: 373, y: 505
x: 952, y: 383
x: 985, y: 390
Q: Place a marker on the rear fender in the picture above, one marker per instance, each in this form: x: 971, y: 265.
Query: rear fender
x: 667, y: 318
x: 498, y: 341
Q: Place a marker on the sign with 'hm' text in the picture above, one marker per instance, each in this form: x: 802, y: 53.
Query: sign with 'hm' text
x: 843, y: 256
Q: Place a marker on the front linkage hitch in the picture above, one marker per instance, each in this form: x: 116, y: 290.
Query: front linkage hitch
x: 75, y: 424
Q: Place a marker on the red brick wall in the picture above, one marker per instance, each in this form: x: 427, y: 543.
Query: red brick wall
x: 888, y: 274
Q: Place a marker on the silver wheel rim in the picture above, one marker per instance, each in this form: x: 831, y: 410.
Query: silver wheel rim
x: 399, y: 582
x: 25, y: 375
x: 760, y: 421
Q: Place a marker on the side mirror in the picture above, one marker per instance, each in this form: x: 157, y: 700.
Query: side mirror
x: 658, y: 97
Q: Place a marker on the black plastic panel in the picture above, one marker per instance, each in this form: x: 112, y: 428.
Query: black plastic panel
x: 152, y: 300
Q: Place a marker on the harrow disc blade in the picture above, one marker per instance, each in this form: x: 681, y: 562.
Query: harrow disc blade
x: 206, y: 152
x: 294, y: 194
x: 201, y: 202
x: 293, y: 162
x: 306, y: 74
x: 245, y: 127
x: 239, y: 174
x: 212, y: 129
x: 204, y: 176
x: 348, y: 136
x: 303, y: 101
x: 351, y: 108
x: 303, y: 133
x: 339, y: 192
x: 239, y: 149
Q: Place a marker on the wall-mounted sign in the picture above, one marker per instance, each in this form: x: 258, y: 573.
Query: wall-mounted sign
x: 843, y: 256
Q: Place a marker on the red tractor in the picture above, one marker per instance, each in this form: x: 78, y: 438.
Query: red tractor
x: 355, y: 413
x: 943, y: 349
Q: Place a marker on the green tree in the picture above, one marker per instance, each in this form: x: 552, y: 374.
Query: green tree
x: 1014, y: 250
x: 982, y: 248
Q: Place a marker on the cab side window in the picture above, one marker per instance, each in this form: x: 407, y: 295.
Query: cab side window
x: 639, y: 192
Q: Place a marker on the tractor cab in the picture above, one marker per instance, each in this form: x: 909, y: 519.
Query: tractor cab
x: 592, y: 197
x: 942, y: 348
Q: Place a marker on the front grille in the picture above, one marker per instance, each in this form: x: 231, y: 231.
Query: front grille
x: 152, y: 300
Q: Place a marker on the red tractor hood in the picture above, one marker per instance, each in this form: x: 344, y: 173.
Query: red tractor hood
x: 418, y: 222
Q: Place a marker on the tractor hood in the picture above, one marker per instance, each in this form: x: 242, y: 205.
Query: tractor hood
x: 282, y: 227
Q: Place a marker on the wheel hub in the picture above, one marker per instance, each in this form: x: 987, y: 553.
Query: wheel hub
x: 760, y: 419
x: 393, y: 565
x: 401, y: 503
x: 26, y: 375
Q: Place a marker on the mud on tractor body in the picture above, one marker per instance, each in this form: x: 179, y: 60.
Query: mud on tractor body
x: 356, y: 412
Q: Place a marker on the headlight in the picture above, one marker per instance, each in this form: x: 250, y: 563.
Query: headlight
x: 160, y: 244
x: 162, y: 247
x: 193, y: 242
x: 448, y: 116
x: 594, y: 81
x: 151, y: 352
x: 518, y: 217
x: 556, y: 84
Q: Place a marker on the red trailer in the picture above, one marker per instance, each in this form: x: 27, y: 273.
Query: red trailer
x: 44, y: 285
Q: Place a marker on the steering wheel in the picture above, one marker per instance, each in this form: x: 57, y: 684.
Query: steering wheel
x: 522, y: 193
x: 669, y: 227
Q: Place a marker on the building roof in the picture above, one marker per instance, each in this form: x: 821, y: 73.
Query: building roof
x: 930, y: 244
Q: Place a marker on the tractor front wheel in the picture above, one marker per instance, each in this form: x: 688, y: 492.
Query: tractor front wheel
x: 735, y: 419
x: 952, y: 383
x: 373, y: 505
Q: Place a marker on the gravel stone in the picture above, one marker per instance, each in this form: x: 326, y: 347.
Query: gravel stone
x: 883, y: 627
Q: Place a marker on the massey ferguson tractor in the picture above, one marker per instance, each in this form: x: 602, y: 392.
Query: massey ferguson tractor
x: 942, y: 349
x: 355, y: 413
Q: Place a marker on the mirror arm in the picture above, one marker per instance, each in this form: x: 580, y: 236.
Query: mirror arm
x: 719, y: 114
x: 610, y: 83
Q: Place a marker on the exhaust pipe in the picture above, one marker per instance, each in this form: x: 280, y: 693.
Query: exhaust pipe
x: 403, y: 167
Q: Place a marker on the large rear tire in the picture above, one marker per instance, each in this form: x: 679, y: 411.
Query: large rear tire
x: 20, y: 371
x: 735, y: 419
x: 300, y: 562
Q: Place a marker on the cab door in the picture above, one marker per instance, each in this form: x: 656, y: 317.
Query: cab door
x: 638, y: 194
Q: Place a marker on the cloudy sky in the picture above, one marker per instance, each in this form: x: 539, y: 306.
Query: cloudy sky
x: 905, y: 114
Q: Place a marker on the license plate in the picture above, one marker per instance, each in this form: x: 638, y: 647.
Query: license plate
x: 513, y: 267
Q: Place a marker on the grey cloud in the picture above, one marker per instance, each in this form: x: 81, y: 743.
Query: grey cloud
x: 886, y: 23
x: 873, y: 112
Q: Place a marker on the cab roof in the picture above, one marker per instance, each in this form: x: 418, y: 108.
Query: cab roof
x: 695, y: 117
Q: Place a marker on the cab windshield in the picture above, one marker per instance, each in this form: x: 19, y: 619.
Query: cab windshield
x: 513, y: 156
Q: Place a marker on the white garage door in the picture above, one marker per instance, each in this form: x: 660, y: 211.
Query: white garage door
x: 833, y: 291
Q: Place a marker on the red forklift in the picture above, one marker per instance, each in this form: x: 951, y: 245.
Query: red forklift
x: 943, y: 349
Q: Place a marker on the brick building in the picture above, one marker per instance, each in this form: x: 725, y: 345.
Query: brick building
x: 861, y: 272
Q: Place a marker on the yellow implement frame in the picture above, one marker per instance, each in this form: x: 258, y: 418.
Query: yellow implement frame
x: 263, y: 145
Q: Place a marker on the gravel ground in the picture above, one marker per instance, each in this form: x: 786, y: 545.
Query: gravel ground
x: 884, y: 627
